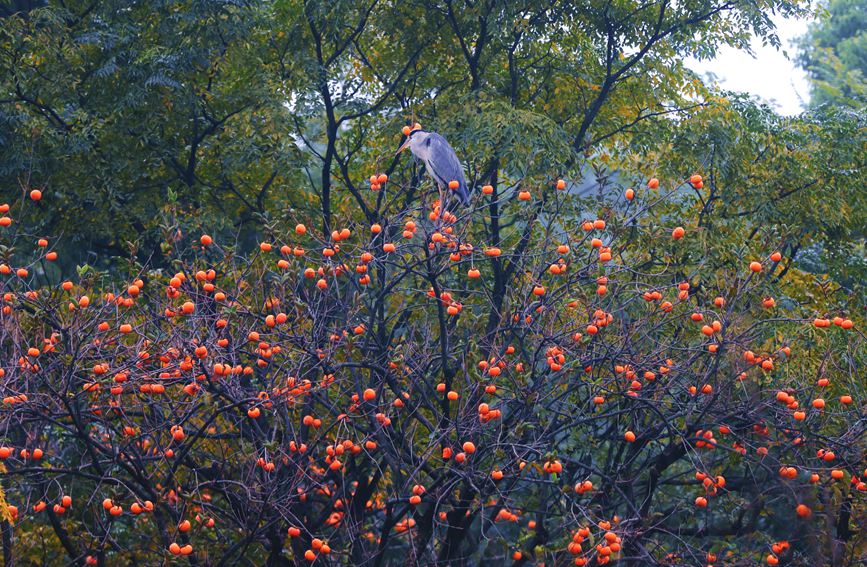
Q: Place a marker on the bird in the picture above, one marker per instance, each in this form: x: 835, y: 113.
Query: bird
x: 440, y: 160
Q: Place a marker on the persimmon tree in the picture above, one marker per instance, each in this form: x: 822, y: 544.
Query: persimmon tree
x: 516, y: 381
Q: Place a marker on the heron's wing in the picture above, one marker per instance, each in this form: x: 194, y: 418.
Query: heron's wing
x: 444, y: 164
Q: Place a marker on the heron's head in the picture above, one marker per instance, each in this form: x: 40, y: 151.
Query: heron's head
x: 415, y: 137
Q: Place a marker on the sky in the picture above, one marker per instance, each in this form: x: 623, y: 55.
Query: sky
x: 769, y: 75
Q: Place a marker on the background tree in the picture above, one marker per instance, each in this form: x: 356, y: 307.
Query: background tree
x: 834, y: 53
x: 240, y: 108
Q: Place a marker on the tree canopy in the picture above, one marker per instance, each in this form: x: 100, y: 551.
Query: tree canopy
x: 834, y: 53
x: 238, y: 108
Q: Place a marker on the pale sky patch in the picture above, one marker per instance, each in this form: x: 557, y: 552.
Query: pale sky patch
x: 770, y: 76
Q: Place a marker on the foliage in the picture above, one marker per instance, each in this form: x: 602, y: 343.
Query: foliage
x: 239, y: 108
x: 834, y: 53
x: 799, y: 178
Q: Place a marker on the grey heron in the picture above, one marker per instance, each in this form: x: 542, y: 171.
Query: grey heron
x: 440, y: 160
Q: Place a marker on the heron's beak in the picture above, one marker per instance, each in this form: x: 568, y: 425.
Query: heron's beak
x: 403, y: 146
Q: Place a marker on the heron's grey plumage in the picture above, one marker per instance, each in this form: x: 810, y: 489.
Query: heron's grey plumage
x: 440, y: 160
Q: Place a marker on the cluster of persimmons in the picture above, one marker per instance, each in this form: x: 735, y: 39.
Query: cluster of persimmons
x: 362, y: 395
